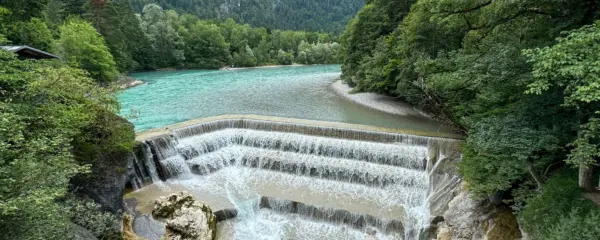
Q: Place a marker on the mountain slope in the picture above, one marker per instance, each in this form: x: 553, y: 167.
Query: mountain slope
x: 309, y: 15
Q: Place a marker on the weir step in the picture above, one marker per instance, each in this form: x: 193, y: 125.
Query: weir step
x: 331, y: 215
x: 401, y: 155
x: 308, y: 165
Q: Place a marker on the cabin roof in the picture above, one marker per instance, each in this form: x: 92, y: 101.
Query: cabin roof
x: 29, y: 52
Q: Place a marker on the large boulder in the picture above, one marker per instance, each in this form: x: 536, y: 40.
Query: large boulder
x: 185, y: 218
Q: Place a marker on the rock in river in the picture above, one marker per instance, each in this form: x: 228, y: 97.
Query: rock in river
x: 185, y: 218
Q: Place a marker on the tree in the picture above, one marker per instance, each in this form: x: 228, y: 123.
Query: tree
x: 464, y: 62
x: 34, y: 33
x: 25, y: 9
x: 206, y: 47
x: 501, y: 149
x: 246, y: 58
x: 301, y: 58
x: 20, y: 28
x: 284, y: 58
x: 44, y: 107
x: 82, y: 46
x: 166, y: 41
x: 123, y: 33
x: 305, y: 15
x: 572, y: 66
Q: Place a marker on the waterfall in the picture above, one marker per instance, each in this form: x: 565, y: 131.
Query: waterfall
x: 283, y: 177
x: 144, y: 167
x: 149, y: 163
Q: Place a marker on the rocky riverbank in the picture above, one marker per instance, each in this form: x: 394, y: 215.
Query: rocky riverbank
x: 128, y: 82
x: 468, y: 219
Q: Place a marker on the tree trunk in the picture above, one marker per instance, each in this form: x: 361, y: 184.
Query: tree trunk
x: 539, y: 180
x: 586, y: 178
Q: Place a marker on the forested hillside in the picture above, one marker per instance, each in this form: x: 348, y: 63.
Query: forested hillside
x: 155, y: 38
x: 519, y: 77
x: 307, y: 15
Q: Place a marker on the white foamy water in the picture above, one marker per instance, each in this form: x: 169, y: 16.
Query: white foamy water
x: 289, y: 185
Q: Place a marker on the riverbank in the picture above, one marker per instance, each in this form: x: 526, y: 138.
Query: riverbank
x: 125, y: 82
x: 376, y: 101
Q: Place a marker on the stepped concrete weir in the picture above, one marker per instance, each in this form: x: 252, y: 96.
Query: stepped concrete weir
x: 281, y: 178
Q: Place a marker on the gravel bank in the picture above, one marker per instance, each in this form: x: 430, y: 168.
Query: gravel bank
x: 376, y: 101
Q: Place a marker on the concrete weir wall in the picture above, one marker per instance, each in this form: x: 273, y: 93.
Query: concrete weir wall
x: 141, y: 136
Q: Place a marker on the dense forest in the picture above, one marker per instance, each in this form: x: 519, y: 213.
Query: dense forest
x: 116, y: 39
x: 307, y: 15
x: 520, y: 78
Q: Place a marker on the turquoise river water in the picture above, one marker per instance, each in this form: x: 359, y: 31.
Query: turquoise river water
x: 170, y: 97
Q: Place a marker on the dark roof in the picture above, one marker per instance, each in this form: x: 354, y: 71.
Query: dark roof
x: 29, y: 52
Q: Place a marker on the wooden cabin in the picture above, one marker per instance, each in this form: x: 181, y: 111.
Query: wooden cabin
x: 27, y: 52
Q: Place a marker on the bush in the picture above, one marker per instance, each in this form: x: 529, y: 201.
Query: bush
x: 87, y: 214
x: 560, y: 204
x: 577, y: 226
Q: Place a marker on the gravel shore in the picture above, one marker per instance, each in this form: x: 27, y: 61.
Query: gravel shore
x: 376, y: 101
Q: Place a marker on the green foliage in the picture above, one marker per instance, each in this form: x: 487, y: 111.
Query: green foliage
x: 284, y: 58
x: 45, y: 108
x: 501, y: 150
x: 318, y: 53
x: 560, y: 211
x: 34, y: 33
x: 166, y: 42
x: 466, y: 62
x: 206, y: 47
x: 577, y: 226
x: 207, y: 44
x: 18, y: 31
x: 87, y: 214
x: 572, y: 66
x: 23, y: 10
x: 375, y: 20
x: 311, y: 15
x: 158, y: 38
x: 122, y: 30
x: 82, y: 46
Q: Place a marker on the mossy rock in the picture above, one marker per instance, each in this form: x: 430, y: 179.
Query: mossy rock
x: 502, y: 226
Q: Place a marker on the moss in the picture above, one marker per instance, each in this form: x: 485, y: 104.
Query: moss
x: 505, y: 227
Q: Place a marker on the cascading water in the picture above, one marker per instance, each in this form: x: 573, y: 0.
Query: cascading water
x: 298, y: 181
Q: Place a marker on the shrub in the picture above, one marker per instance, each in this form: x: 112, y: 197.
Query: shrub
x: 577, y: 226
x: 560, y: 203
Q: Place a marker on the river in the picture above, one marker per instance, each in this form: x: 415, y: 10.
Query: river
x: 170, y: 97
